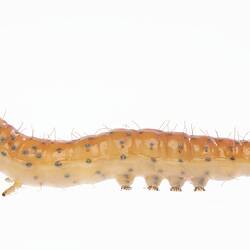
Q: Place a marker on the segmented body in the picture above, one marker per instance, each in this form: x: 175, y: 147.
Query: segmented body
x: 122, y: 154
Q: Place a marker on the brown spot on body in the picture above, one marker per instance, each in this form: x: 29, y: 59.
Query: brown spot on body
x: 87, y: 147
x: 67, y: 175
x: 206, y: 149
x: 180, y: 147
x: 13, y: 137
x: 207, y: 158
x: 2, y: 139
x: 28, y: 164
x: 38, y: 155
x: 153, y: 159
x: 25, y: 152
x: 123, y: 157
x: 59, y: 150
x: 88, y: 160
x: 3, y: 153
x: 58, y: 164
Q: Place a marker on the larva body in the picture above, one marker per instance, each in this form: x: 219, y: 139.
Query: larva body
x: 121, y: 154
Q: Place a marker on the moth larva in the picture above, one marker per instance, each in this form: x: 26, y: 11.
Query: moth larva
x: 122, y: 154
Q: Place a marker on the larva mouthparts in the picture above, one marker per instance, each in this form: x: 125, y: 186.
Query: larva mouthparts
x: 122, y: 154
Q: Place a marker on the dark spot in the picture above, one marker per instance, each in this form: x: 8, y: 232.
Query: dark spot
x: 88, y: 160
x: 25, y: 152
x: 2, y: 139
x: 58, y: 164
x: 160, y: 171
x: 151, y: 145
x: 3, y: 153
x: 207, y: 158
x: 182, y: 173
x: 122, y: 142
x: 123, y: 157
x: 130, y: 170
x: 66, y: 175
x: 34, y: 147
x: 126, y: 176
x: 59, y: 150
x: 232, y: 158
x: 35, y: 177
x: 140, y: 132
x: 87, y: 146
x: 180, y: 160
x: 12, y: 137
x: 180, y: 148
x: 28, y: 164
x: 153, y: 159
x: 38, y: 155
x: 98, y: 172
x: 13, y: 147
x: 206, y: 149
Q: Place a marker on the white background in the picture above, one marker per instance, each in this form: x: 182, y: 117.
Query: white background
x: 95, y: 65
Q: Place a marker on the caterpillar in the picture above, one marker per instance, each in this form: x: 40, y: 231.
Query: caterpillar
x: 122, y: 154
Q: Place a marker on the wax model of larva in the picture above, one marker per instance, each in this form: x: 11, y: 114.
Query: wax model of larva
x: 121, y: 154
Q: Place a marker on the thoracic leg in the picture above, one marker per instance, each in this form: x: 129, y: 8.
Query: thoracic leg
x: 199, y: 183
x: 176, y: 183
x: 153, y: 182
x: 125, y: 181
x: 12, y: 188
